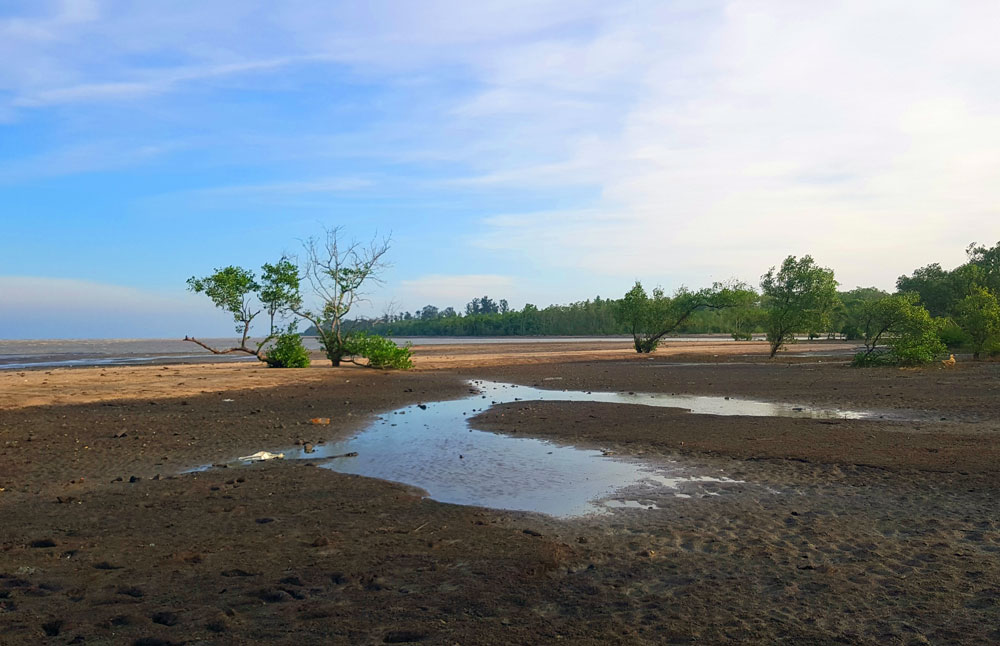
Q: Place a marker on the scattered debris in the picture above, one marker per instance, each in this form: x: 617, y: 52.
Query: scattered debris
x: 260, y: 456
x: 320, y: 421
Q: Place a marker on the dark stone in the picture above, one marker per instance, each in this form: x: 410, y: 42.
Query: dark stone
x: 165, y: 618
x: 404, y: 636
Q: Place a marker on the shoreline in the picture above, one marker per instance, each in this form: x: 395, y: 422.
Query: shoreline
x: 42, y: 386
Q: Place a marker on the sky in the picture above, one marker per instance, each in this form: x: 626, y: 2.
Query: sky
x: 543, y: 151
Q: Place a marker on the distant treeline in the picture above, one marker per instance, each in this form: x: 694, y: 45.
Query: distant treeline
x: 944, y: 293
x: 486, y: 317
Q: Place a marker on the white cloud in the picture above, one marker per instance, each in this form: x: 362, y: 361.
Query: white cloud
x: 860, y: 133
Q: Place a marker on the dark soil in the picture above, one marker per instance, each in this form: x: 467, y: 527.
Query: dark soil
x: 872, y: 532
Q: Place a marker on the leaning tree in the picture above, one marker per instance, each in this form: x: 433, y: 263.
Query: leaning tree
x: 650, y: 317
x: 238, y: 291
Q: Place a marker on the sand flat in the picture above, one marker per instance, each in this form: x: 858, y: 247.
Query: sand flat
x: 836, y: 531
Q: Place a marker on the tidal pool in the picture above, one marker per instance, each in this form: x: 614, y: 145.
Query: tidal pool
x: 433, y: 447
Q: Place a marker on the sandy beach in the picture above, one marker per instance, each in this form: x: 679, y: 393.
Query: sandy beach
x: 882, y: 530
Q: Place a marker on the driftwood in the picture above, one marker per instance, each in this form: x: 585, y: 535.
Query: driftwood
x: 241, y: 348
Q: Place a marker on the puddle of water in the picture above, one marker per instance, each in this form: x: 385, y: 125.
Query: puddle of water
x: 431, y: 446
x: 696, y: 404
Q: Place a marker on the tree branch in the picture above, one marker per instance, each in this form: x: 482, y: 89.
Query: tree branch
x: 242, y: 348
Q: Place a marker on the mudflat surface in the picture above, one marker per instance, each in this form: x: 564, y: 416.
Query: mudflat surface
x: 829, y: 531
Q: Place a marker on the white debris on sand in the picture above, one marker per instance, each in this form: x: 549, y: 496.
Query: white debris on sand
x: 260, y: 456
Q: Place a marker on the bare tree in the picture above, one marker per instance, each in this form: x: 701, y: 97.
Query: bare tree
x: 338, y: 271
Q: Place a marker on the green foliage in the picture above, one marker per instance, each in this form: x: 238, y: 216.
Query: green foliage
x: 745, y: 321
x: 231, y: 289
x: 288, y: 352
x: 937, y: 288
x: 847, y: 314
x: 978, y: 314
x: 940, y: 290
x: 379, y: 351
x: 237, y: 291
x: 643, y: 315
x: 986, y: 260
x: 951, y: 334
x: 649, y: 318
x: 918, y: 343
x: 279, y: 288
x: 800, y: 297
x: 590, y: 317
x: 897, y: 329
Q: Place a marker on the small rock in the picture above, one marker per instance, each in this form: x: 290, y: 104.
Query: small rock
x: 165, y: 618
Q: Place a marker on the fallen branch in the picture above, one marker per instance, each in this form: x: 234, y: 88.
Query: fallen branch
x: 241, y: 348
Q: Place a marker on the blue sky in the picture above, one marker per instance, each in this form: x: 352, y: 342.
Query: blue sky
x: 542, y: 151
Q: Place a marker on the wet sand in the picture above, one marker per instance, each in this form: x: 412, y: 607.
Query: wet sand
x: 858, y: 531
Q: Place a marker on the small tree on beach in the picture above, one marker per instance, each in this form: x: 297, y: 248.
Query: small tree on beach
x: 279, y: 289
x: 236, y: 290
x: 897, y: 329
x: 651, y: 317
x: 338, y: 272
x: 799, y: 297
x: 978, y: 314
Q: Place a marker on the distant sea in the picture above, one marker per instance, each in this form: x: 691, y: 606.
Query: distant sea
x: 61, y: 353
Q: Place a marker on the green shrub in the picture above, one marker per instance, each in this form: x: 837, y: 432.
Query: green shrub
x: 897, y: 330
x: 381, y: 352
x: 288, y: 352
x: 877, y: 358
x: 917, y: 347
x: 978, y: 314
x: 952, y: 335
